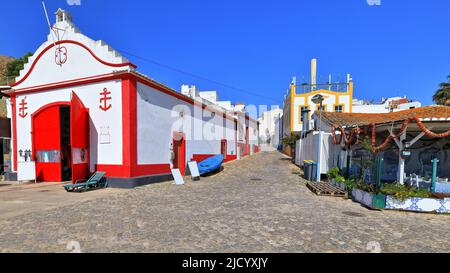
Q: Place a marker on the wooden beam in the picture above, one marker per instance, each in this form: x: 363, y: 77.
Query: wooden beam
x: 417, y: 138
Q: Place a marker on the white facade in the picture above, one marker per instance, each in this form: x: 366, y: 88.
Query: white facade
x: 307, y: 149
x: 210, y: 96
x: 134, y: 121
x: 331, y: 100
x: 401, y: 103
x: 110, y: 122
x: 268, y: 130
x: 203, y: 130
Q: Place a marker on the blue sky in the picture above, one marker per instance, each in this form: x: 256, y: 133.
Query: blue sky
x: 399, y: 48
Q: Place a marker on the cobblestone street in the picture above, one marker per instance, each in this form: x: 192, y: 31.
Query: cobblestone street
x: 259, y: 204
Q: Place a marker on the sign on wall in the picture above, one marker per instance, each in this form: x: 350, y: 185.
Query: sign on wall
x: 26, y: 171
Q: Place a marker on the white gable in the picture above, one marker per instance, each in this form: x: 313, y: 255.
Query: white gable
x: 69, y: 55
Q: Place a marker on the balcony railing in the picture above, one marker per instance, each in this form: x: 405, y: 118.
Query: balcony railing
x: 335, y: 87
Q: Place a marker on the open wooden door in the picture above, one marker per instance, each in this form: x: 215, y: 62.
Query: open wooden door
x: 47, y: 144
x: 79, y: 138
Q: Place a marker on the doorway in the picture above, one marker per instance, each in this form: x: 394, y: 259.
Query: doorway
x: 66, y: 151
x: 48, y: 127
x: 224, y: 148
x: 61, y: 141
x: 179, y: 151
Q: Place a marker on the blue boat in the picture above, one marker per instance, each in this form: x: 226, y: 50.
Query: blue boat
x: 210, y: 164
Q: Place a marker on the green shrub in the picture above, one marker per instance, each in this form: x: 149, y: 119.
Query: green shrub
x: 370, y: 188
x: 351, y: 184
x: 340, y: 179
x: 402, y: 192
x: 333, y: 173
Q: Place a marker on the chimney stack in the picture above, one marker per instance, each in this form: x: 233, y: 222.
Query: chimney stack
x: 313, y: 71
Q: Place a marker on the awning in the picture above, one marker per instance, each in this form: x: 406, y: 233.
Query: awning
x: 5, y: 128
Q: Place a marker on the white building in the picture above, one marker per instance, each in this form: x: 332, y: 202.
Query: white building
x: 269, y: 129
x: 79, y: 106
x: 394, y: 104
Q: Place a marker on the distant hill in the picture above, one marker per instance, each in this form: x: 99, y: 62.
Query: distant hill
x: 4, y: 60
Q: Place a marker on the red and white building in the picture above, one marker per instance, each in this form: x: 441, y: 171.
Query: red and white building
x: 78, y: 107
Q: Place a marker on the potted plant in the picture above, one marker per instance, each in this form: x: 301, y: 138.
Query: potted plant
x: 400, y: 197
x: 332, y: 174
x: 367, y: 195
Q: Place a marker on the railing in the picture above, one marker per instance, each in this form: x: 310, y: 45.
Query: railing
x: 335, y: 87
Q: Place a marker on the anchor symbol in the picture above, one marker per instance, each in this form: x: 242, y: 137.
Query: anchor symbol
x: 23, y: 108
x: 104, y: 100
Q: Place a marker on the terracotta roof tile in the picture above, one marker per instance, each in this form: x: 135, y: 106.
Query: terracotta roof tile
x: 360, y: 119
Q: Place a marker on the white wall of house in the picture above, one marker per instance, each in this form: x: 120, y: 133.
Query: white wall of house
x: 268, y: 130
x: 329, y: 103
x: 110, y: 122
x: 307, y: 149
x: 361, y: 107
x: 159, y: 117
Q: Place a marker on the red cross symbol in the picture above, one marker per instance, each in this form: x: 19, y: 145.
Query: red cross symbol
x: 61, y: 55
x: 23, y: 108
x: 104, y: 100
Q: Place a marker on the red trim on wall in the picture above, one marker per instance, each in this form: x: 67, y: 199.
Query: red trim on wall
x: 69, y: 42
x: 69, y: 83
x: 247, y: 141
x: 129, y: 124
x: 243, y: 146
x: 173, y: 93
x: 120, y: 171
x: 108, y: 77
x: 256, y: 149
x: 200, y: 157
x: 236, y: 147
x: 230, y: 158
x: 14, y: 125
x: 143, y: 170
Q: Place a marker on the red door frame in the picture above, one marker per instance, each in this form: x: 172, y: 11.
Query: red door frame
x: 247, y: 141
x: 33, y: 116
x: 224, y: 148
x: 179, y: 151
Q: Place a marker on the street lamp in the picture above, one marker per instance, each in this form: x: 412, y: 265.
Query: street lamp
x: 318, y: 100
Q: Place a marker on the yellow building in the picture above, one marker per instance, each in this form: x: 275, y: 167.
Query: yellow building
x: 338, y: 97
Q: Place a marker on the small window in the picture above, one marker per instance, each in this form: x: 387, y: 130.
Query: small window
x: 53, y: 156
x: 339, y: 108
x: 321, y: 108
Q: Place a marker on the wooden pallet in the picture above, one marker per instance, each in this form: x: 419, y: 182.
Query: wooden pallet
x: 326, y: 189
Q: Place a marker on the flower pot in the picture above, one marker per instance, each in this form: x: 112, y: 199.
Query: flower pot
x: 417, y: 204
x: 370, y: 200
